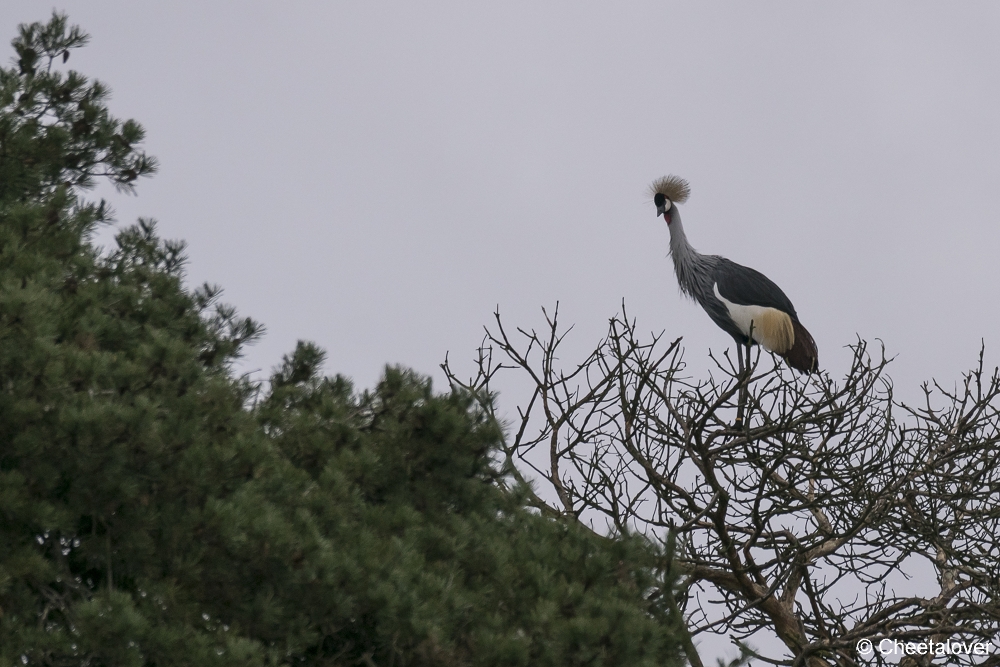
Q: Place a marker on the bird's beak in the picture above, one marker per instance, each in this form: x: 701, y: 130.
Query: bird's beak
x: 660, y: 210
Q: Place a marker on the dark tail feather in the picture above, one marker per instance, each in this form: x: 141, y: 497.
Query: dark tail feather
x: 803, y: 356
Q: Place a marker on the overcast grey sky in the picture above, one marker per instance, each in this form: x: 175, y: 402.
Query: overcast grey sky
x: 378, y: 177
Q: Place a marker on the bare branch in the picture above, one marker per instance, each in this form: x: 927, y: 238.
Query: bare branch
x: 800, y: 522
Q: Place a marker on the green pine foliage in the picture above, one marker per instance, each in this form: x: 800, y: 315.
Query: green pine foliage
x: 156, y: 509
x: 432, y: 562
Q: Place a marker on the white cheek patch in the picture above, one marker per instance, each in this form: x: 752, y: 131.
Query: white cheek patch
x: 771, y: 327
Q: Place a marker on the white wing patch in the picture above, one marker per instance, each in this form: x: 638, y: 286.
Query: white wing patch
x: 771, y: 327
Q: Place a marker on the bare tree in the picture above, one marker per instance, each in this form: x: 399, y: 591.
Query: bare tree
x: 806, y: 521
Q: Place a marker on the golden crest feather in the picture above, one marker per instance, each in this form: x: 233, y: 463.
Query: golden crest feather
x: 674, y: 188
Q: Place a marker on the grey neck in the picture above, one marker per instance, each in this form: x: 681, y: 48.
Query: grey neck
x: 688, y: 262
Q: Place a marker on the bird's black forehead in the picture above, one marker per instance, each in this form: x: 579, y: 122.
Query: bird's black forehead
x: 659, y: 199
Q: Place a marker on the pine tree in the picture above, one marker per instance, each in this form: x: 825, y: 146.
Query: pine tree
x: 157, y: 509
x: 435, y: 563
x: 119, y: 420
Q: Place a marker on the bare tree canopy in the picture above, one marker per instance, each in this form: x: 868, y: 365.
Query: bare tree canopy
x: 806, y: 522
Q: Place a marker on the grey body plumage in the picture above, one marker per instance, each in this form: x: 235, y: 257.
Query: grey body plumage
x: 743, y: 302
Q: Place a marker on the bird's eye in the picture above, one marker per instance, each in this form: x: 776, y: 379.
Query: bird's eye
x: 659, y: 199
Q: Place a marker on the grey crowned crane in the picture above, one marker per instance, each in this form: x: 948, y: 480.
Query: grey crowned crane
x: 743, y: 302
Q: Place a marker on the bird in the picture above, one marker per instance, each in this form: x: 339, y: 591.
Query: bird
x: 745, y: 303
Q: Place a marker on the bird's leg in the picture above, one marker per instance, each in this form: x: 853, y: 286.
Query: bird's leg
x: 742, y: 400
